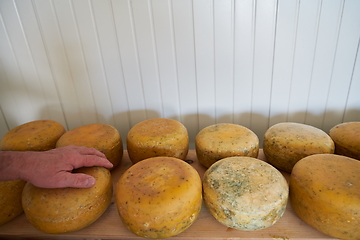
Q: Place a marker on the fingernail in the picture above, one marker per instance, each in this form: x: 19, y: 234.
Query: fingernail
x: 89, y: 182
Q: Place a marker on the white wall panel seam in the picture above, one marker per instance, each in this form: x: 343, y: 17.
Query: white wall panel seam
x: 46, y: 50
x: 338, y: 27
x: 133, y: 26
x: 156, y: 57
x: 314, y: 55
x: 293, y: 60
x: 120, y: 59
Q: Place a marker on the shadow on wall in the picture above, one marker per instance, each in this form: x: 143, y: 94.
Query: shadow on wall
x: 195, y: 122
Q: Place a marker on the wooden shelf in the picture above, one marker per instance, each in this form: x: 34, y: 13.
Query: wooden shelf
x: 109, y: 225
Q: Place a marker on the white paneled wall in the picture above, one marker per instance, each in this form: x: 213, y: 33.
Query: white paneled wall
x: 251, y: 62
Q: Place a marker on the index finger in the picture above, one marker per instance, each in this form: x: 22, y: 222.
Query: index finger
x: 91, y: 151
x: 92, y: 161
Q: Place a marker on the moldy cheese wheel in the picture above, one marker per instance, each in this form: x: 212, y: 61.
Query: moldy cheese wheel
x: 103, y: 137
x: 286, y: 143
x: 157, y: 137
x: 159, y: 197
x: 324, y: 192
x: 245, y: 193
x: 225, y: 140
x: 62, y: 210
x: 40, y: 135
x: 346, y: 137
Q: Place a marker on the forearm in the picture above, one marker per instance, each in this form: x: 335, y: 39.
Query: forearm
x: 11, y: 165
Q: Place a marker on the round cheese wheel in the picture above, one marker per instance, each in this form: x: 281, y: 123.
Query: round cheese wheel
x: 286, y: 143
x: 225, y: 140
x: 324, y: 192
x: 40, y: 135
x: 103, y: 137
x: 159, y: 197
x: 10, y: 200
x: 62, y: 210
x: 245, y: 193
x: 346, y: 137
x: 157, y: 137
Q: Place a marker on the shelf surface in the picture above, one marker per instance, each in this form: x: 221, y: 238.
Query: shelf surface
x: 109, y: 225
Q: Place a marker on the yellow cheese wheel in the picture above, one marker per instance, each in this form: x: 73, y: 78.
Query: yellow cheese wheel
x: 40, y: 135
x: 324, y: 192
x: 103, y: 137
x: 346, y: 137
x: 159, y: 197
x: 286, y: 143
x: 10, y: 200
x: 225, y: 140
x: 245, y: 193
x: 157, y: 137
x: 62, y: 210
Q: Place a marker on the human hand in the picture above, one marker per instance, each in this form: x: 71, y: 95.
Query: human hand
x: 53, y: 168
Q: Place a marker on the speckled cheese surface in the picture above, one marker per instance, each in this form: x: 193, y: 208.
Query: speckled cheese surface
x: 245, y: 193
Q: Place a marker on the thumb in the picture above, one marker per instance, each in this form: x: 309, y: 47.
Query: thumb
x: 80, y: 180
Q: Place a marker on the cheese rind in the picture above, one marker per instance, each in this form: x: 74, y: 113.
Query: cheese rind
x: 157, y: 137
x: 324, y: 192
x: 10, y: 200
x: 62, y: 210
x: 223, y: 140
x: 245, y: 193
x: 39, y: 135
x: 346, y: 137
x: 103, y: 137
x: 286, y: 143
x: 159, y: 197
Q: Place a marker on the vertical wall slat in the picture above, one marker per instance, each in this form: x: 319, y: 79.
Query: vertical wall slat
x: 244, y: 28
x: 204, y: 54
x: 342, y: 70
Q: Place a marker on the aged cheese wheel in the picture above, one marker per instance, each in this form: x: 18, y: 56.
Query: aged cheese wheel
x: 286, y: 143
x: 324, y: 192
x: 157, y: 137
x: 346, y: 137
x: 225, y: 140
x: 159, y: 197
x: 62, y: 210
x: 103, y: 137
x: 40, y: 135
x: 245, y: 193
x: 10, y: 200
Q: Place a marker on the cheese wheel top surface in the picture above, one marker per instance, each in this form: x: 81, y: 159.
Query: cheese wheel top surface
x: 347, y: 139
x: 96, y: 135
x: 227, y: 136
x: 153, y: 131
x: 324, y: 192
x: 245, y: 193
x: 159, y: 197
x: 40, y: 135
x: 286, y: 143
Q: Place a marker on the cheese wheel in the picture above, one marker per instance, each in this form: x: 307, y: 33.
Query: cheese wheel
x: 159, y: 197
x: 324, y: 192
x: 225, y: 140
x: 245, y: 193
x: 40, y: 135
x: 62, y: 210
x: 10, y: 200
x: 103, y: 137
x: 286, y: 143
x: 346, y: 137
x: 157, y: 137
